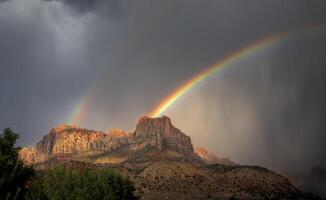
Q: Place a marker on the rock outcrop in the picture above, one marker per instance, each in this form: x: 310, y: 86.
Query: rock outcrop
x: 161, y: 133
x: 210, y: 158
x: 160, y: 160
x: 31, y: 155
x: 67, y: 140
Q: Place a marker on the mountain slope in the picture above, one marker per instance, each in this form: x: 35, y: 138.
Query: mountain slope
x: 161, y: 161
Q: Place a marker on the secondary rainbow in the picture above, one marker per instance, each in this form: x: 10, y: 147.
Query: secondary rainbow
x: 227, y: 61
x: 80, y: 109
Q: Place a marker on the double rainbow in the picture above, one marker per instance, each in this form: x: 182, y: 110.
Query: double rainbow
x: 80, y: 109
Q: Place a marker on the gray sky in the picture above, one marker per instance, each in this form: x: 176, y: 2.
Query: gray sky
x: 266, y: 109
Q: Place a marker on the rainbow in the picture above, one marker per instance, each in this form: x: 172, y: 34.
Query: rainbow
x: 80, y: 108
x: 79, y: 111
x: 227, y: 61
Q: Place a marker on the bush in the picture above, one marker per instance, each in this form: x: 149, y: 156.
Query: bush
x: 71, y: 184
x: 13, y: 173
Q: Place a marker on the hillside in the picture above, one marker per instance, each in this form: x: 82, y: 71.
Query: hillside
x: 160, y: 160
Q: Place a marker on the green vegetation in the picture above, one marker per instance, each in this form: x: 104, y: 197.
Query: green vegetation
x: 219, y: 168
x: 13, y: 173
x: 88, y: 184
x: 18, y: 181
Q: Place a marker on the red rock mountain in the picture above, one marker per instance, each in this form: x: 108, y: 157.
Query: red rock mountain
x: 65, y: 140
x: 160, y: 160
x: 210, y: 158
x: 161, y: 133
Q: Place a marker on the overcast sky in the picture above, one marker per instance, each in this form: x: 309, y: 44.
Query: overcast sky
x: 266, y: 109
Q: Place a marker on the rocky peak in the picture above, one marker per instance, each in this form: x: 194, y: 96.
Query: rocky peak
x: 65, y: 139
x: 161, y: 133
x: 210, y: 158
x: 63, y: 127
x: 70, y: 140
x: 203, y: 153
x: 147, y: 125
x: 72, y: 129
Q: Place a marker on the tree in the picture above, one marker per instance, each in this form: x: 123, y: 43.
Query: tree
x: 87, y: 184
x: 14, y: 174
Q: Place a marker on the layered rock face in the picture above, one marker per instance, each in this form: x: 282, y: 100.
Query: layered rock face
x: 30, y: 155
x: 66, y: 139
x: 61, y: 140
x: 70, y: 140
x: 161, y: 133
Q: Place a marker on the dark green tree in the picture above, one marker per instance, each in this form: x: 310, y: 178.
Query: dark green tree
x: 36, y: 189
x: 13, y: 173
x: 90, y: 184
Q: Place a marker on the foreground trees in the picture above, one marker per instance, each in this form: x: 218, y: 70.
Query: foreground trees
x: 13, y: 173
x: 69, y: 184
x: 18, y: 181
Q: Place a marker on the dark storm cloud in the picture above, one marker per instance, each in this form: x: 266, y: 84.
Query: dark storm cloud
x: 111, y: 8
x: 34, y: 82
x: 50, y: 57
x: 81, y: 5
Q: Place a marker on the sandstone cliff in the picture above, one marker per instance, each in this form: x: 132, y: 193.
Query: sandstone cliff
x: 160, y: 160
x: 65, y: 140
x: 161, y: 133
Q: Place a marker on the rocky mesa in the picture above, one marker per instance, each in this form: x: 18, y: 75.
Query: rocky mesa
x: 66, y: 141
x: 160, y: 160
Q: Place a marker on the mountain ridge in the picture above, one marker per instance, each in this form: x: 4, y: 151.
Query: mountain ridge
x: 69, y: 140
x: 160, y: 159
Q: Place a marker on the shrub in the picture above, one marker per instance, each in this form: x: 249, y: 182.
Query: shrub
x: 70, y: 184
x: 13, y: 173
